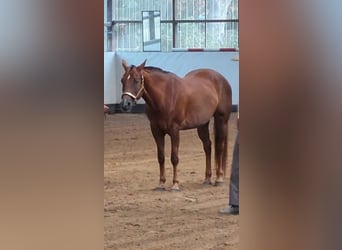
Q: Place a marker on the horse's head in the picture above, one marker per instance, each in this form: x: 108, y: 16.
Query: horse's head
x: 132, y: 85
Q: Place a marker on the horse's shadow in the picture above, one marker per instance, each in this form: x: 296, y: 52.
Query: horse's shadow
x: 187, y: 186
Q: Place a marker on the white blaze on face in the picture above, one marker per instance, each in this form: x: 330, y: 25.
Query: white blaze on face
x: 128, y: 77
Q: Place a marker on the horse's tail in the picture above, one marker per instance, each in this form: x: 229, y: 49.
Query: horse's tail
x: 221, y: 118
x: 221, y: 143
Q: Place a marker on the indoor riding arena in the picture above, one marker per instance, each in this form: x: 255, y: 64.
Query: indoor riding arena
x: 175, y: 36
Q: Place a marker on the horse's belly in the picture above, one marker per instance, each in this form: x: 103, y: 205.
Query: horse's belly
x: 192, y: 126
x: 195, y: 121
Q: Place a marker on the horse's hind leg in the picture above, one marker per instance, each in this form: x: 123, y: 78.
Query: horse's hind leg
x: 159, y: 138
x: 221, y: 137
x: 174, y: 158
x: 203, y: 133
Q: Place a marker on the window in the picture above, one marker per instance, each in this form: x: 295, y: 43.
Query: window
x: 183, y: 24
x: 151, y: 30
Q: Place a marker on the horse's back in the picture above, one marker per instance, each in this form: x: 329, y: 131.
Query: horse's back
x: 209, y: 77
x: 208, y: 74
x: 217, y: 81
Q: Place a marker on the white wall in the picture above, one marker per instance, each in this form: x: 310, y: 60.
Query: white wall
x: 179, y: 63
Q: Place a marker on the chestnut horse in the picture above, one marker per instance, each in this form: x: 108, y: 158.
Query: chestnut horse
x: 174, y: 104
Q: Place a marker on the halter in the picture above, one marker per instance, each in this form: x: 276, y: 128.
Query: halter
x: 140, y: 91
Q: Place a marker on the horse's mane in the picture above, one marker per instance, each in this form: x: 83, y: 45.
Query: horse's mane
x: 151, y: 68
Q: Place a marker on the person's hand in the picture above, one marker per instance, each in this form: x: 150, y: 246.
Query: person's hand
x: 106, y: 108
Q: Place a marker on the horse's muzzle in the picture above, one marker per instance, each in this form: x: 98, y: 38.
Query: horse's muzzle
x: 126, y: 104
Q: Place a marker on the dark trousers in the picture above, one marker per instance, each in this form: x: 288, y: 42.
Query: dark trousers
x: 234, y: 176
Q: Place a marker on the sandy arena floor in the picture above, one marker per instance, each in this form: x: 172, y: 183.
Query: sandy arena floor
x: 137, y: 217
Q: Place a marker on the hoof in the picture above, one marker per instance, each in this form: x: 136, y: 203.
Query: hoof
x: 175, y: 188
x: 219, y: 183
x: 160, y: 188
x: 206, y: 183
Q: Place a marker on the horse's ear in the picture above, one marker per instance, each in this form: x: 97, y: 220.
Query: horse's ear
x: 141, y: 66
x: 124, y: 65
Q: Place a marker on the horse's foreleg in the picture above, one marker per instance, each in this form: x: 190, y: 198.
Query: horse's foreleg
x: 174, y: 158
x: 203, y: 133
x: 159, y: 138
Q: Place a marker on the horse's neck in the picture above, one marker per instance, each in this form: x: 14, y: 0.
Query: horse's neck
x: 153, y: 94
